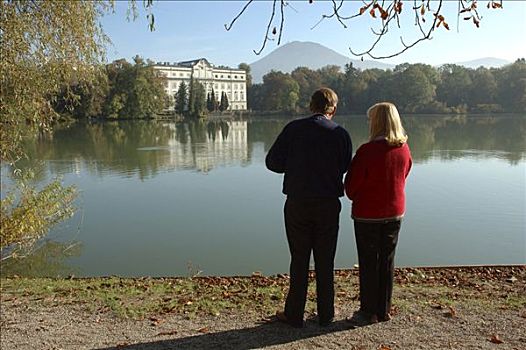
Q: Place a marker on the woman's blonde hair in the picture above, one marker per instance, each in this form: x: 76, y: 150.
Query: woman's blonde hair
x: 323, y: 101
x: 385, y: 122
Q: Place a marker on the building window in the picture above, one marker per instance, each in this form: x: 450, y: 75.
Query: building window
x: 221, y: 75
x: 216, y: 85
x: 242, y: 96
x: 223, y: 86
x: 216, y: 76
x: 229, y: 77
x: 242, y: 77
x: 235, y: 76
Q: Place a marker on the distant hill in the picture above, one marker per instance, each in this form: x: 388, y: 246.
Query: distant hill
x: 288, y: 57
x: 487, y: 62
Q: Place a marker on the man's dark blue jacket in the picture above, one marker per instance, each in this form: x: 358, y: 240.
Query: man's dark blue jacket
x: 314, y: 153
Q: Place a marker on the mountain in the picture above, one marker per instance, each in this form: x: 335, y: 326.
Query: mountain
x: 486, y: 62
x: 288, y: 57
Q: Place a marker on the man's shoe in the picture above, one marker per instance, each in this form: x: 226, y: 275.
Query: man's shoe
x: 281, y: 317
x: 325, y: 323
x: 361, y: 318
x: 385, y: 318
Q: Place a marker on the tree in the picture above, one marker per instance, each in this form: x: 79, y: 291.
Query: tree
x: 512, y: 86
x: 455, y: 85
x: 246, y: 68
x: 137, y: 90
x: 416, y: 87
x: 211, y: 101
x: 197, y: 101
x: 281, y: 92
x: 308, y: 81
x: 224, y: 102
x: 483, y: 92
x: 45, y: 46
x: 181, y: 99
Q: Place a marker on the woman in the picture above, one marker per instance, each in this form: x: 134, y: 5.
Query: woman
x: 375, y: 183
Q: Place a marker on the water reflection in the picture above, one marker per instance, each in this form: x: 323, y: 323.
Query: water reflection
x: 146, y: 148
x: 150, y: 211
x: 48, y: 260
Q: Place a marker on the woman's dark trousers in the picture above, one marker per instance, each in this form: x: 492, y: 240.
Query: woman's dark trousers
x: 376, y: 244
x: 312, y: 225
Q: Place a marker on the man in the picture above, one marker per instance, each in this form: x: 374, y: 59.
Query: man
x: 313, y: 153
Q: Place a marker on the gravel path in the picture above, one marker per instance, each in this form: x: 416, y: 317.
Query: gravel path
x: 488, y: 321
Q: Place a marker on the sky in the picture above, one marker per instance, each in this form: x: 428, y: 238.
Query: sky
x: 185, y: 30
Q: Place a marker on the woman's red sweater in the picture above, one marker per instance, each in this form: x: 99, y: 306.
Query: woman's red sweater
x: 375, y: 181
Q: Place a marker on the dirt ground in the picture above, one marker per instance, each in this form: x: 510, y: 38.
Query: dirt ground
x: 462, y: 308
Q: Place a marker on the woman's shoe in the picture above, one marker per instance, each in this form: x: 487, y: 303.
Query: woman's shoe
x: 361, y: 318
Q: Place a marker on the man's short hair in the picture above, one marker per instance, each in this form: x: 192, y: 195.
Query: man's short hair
x: 324, y: 101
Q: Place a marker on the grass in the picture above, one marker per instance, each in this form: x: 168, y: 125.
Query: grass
x: 139, y: 298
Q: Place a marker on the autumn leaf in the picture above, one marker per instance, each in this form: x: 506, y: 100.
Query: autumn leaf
x: 274, y: 31
x: 384, y: 347
x: 495, y: 339
x: 398, y: 7
x: 422, y: 10
x: 203, y: 330
x: 496, y: 5
x: 362, y: 9
x: 372, y: 13
x: 451, y: 313
x: 384, y: 14
x: 166, y: 333
x: 446, y: 25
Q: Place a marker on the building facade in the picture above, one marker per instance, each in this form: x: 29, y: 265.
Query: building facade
x: 222, y: 79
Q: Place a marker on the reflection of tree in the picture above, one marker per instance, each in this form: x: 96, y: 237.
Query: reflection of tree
x: 48, y: 260
x: 454, y: 136
x: 458, y: 136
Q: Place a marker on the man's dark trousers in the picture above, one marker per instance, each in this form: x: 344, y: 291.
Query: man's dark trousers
x: 312, y: 225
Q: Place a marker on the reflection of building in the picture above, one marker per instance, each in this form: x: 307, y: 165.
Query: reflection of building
x: 221, y: 79
x: 225, y: 143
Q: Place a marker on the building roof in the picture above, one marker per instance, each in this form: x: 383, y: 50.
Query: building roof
x: 193, y: 62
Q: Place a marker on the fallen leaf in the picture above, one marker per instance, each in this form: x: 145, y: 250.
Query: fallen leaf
x: 384, y: 347
x: 451, y: 313
x: 203, y: 330
x: 495, y: 339
x: 511, y: 279
x: 166, y: 333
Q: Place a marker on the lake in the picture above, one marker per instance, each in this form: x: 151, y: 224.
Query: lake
x: 159, y: 198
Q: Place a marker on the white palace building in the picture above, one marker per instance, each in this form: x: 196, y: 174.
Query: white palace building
x: 221, y: 79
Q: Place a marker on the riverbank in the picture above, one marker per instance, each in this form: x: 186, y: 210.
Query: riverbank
x: 434, y: 308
